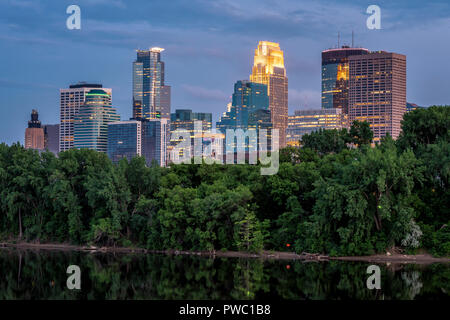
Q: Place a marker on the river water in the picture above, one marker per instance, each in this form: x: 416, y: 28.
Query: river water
x: 26, y: 274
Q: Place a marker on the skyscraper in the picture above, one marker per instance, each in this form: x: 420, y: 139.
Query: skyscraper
x: 378, y: 91
x: 70, y: 102
x: 268, y: 68
x: 155, y: 135
x: 249, y: 110
x: 335, y: 77
x: 124, y: 140
x: 51, y: 135
x: 34, y: 134
x: 248, y: 97
x: 151, y: 97
x: 91, y: 121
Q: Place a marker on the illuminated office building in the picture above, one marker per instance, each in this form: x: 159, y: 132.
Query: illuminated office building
x: 335, y: 76
x: 70, y: 102
x: 124, y: 140
x: 268, y: 68
x: 307, y: 121
x: 151, y: 97
x: 91, y: 121
x: 34, y: 134
x: 378, y: 91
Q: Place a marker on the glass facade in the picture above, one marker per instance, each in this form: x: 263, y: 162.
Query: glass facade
x: 335, y: 76
x: 124, y: 140
x: 71, y: 100
x: 307, y: 121
x: 185, y: 119
x: 249, y: 110
x: 91, y: 122
x: 151, y: 97
x: 155, y: 134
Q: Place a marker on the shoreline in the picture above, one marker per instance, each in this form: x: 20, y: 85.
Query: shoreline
x: 266, y: 255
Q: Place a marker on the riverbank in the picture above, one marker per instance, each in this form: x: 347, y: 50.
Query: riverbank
x: 277, y: 255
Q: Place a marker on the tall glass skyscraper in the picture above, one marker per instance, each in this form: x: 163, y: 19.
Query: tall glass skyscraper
x: 91, y: 121
x: 268, y: 68
x: 151, y: 97
x: 335, y: 77
x: 70, y: 102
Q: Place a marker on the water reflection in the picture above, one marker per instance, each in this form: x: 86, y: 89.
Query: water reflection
x: 42, y: 275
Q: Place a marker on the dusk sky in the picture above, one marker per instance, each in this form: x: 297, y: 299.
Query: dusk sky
x: 209, y: 45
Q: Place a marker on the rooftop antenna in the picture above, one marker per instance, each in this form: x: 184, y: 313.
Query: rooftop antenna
x: 339, y: 39
x: 353, y: 39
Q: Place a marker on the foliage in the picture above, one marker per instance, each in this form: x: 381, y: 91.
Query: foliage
x: 326, y: 196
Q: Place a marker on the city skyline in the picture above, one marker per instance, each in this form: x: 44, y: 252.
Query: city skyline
x: 27, y: 87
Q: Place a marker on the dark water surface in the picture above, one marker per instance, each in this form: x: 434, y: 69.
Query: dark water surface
x: 28, y: 274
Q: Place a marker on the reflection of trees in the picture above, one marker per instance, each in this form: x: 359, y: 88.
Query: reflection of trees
x: 30, y: 275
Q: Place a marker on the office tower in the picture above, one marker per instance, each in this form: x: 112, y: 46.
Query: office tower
x: 154, y: 140
x: 51, y: 138
x: 185, y: 120
x: 307, y: 121
x: 124, y: 140
x: 70, y: 102
x: 248, y: 97
x: 268, y: 68
x: 249, y: 110
x: 34, y: 134
x: 151, y: 97
x: 378, y: 91
x: 335, y: 77
x: 91, y: 121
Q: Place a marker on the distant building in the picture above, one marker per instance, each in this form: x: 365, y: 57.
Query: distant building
x: 249, y: 110
x: 185, y: 120
x: 70, y: 102
x: 151, y: 97
x: 124, y: 140
x: 51, y: 134
x: 268, y: 68
x: 335, y: 76
x: 377, y: 91
x: 155, y: 139
x: 91, y: 121
x: 34, y: 134
x: 412, y: 106
x: 307, y: 121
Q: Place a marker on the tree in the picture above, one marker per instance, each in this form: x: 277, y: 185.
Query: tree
x: 360, y: 133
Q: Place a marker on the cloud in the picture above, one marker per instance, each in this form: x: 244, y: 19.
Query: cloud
x: 304, y: 99
x: 205, y: 93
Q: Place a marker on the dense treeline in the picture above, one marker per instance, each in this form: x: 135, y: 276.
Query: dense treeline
x: 335, y: 195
